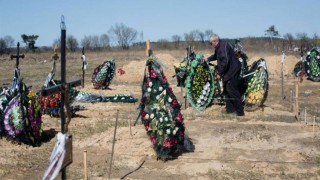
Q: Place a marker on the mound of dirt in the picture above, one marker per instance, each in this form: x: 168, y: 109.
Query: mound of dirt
x: 274, y: 64
x: 134, y: 70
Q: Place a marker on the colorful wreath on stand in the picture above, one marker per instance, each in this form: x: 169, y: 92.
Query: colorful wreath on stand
x: 103, y: 74
x: 312, y: 65
x: 160, y: 112
x: 257, y: 85
x: 200, y: 83
x: 21, y: 117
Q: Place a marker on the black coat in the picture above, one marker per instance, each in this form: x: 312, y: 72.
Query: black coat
x: 228, y: 63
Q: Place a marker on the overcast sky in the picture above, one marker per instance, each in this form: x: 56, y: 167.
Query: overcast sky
x: 157, y: 19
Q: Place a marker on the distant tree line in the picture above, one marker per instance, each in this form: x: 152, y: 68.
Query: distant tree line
x: 120, y: 36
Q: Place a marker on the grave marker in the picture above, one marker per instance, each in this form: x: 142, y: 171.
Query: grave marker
x: 64, y: 89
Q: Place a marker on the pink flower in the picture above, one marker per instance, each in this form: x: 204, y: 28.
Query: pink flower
x: 153, y: 74
x: 179, y: 117
x: 146, y: 126
x: 174, y: 103
x: 143, y: 114
x: 167, y: 143
x: 165, y: 80
x: 170, y: 90
x: 153, y: 139
x: 147, y: 83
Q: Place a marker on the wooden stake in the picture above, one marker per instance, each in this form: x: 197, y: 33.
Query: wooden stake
x: 113, y: 142
x: 314, y: 123
x: 305, y: 115
x: 130, y: 126
x: 148, y: 49
x: 297, y: 102
x: 85, y: 164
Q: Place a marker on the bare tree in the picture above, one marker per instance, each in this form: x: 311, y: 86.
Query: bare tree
x: 95, y: 42
x: 104, y: 41
x: 72, y: 43
x: 176, y: 40
x: 3, y: 46
x: 56, y: 42
x: 86, y: 42
x: 123, y: 35
x: 189, y: 37
x: 9, y: 41
x: 304, y: 40
x: 208, y: 34
x: 315, y: 40
x: 289, y: 38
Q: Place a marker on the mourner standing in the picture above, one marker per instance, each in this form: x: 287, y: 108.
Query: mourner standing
x: 229, y: 69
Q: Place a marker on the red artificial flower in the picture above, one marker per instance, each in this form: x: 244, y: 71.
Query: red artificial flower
x: 147, y: 83
x: 153, y: 139
x: 153, y: 74
x: 170, y: 90
x: 146, y: 126
x: 167, y: 143
x: 143, y: 114
x: 165, y: 80
x: 179, y: 117
x: 174, y: 103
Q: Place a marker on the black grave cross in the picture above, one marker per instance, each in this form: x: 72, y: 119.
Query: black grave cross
x: 63, y: 88
x: 17, y: 56
x: 16, y: 79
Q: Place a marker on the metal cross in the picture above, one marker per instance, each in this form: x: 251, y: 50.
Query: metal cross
x: 17, y: 56
x: 64, y: 89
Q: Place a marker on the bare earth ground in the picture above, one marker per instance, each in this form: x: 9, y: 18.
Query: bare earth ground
x: 269, y: 143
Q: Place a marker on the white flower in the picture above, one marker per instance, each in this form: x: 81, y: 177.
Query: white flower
x: 199, y: 101
x: 166, y: 119
x: 177, y: 128
x: 318, y: 57
x: 147, y: 116
x: 157, y: 97
x: 152, y: 116
x: 174, y: 132
x: 165, y: 92
x: 150, y: 84
x: 154, y: 90
x: 169, y: 99
x: 205, y: 98
x: 204, y: 91
x: 201, y: 96
x: 149, y: 89
x: 160, y: 88
x: 161, y: 119
x: 168, y: 131
x: 308, y: 53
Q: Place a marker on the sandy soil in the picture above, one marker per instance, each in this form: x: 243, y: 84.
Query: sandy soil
x: 269, y: 143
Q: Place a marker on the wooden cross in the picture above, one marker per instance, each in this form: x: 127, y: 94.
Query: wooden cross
x: 64, y: 89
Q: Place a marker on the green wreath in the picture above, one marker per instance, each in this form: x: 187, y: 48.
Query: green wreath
x: 312, y: 65
x: 200, y: 83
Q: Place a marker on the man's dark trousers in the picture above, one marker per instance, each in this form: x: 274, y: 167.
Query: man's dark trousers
x: 233, y: 95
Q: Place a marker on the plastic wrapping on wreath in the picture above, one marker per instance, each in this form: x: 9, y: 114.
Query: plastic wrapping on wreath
x: 103, y: 75
x: 256, y: 89
x: 312, y: 65
x: 200, y: 77
x: 160, y: 112
x: 21, y: 118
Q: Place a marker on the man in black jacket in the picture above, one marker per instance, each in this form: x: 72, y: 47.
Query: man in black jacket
x: 229, y: 69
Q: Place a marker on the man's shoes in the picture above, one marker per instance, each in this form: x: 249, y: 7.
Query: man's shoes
x: 228, y: 112
x: 240, y: 113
